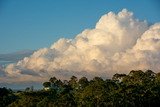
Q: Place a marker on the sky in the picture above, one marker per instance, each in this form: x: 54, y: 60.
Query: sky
x: 34, y: 24
x: 87, y: 38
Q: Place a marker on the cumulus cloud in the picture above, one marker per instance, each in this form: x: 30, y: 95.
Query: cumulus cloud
x: 118, y: 43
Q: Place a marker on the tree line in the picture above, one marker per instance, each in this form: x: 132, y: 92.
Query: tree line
x: 136, y: 89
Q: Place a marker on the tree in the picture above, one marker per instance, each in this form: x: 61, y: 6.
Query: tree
x: 73, y: 82
x: 137, y: 89
x: 83, y: 82
x: 94, y: 94
x: 97, y: 79
x: 47, y: 84
x: 27, y: 89
x: 6, y: 97
x: 134, y: 78
x: 59, y: 83
x: 118, y: 77
x: 53, y: 79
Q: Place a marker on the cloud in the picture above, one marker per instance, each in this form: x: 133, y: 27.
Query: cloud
x: 6, y: 59
x: 118, y: 43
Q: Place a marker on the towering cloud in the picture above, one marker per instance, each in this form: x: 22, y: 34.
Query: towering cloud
x: 118, y: 43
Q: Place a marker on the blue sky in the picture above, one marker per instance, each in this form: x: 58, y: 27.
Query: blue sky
x: 34, y: 24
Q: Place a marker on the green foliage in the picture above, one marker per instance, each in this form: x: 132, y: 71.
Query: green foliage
x: 137, y: 89
x: 6, y: 97
x: 83, y: 82
x: 47, y: 84
x: 53, y: 79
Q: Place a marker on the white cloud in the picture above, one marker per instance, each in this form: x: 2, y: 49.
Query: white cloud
x: 118, y: 43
